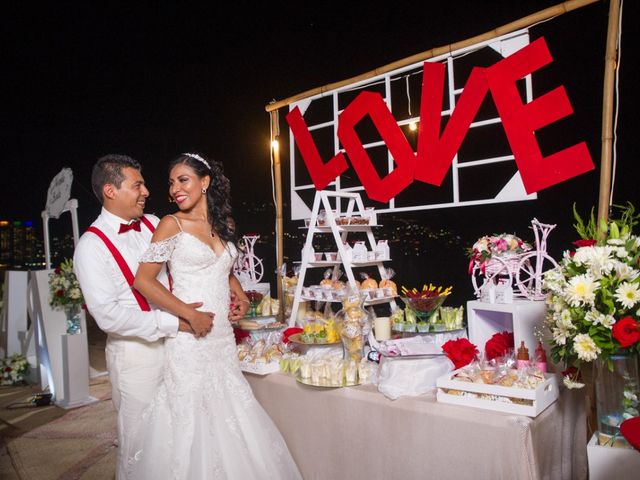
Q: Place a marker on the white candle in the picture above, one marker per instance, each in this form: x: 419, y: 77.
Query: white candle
x: 382, y: 327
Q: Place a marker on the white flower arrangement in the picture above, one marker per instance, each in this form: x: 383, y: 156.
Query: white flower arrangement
x: 14, y: 369
x: 593, y: 305
x: 64, y: 288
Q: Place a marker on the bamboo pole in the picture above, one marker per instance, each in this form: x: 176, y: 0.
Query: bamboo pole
x: 275, y: 134
x: 606, y: 154
x: 524, y: 22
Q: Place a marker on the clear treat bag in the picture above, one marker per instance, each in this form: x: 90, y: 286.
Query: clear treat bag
x: 388, y: 286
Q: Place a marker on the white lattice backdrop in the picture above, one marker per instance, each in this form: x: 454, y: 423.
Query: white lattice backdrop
x: 485, y: 152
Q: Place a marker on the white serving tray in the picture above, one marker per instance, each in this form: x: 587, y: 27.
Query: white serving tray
x: 260, y: 368
x: 542, y: 396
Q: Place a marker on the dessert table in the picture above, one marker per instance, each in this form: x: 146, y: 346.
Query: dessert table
x: 358, y: 433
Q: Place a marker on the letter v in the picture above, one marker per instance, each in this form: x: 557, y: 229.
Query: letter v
x: 435, y: 153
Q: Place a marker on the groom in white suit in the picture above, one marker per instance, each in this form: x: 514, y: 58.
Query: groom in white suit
x: 105, y: 262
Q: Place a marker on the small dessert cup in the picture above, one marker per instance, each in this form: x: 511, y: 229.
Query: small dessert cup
x: 423, y: 327
x: 409, y: 327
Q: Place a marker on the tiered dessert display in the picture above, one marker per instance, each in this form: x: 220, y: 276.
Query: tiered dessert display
x: 340, y: 223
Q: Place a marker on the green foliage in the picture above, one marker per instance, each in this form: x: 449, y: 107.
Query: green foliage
x: 585, y: 231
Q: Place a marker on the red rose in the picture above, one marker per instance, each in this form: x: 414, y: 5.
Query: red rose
x: 60, y: 293
x: 573, y: 373
x: 460, y: 351
x: 57, y: 271
x: 626, y: 332
x: 240, y: 335
x: 585, y: 243
x: 498, y: 345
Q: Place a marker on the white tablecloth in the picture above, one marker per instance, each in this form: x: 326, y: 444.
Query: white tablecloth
x: 357, y: 433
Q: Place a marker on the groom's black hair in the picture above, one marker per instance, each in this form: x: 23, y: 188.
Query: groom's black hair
x: 108, y: 169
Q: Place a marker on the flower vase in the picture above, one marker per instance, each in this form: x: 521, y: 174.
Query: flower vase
x: 616, y: 396
x: 74, y: 325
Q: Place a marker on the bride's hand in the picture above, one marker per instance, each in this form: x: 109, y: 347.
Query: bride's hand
x: 239, y: 308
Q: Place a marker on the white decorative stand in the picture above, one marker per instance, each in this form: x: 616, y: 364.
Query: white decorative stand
x: 14, y: 323
x: 519, y: 317
x: 75, y: 368
x: 17, y: 334
x: 64, y: 361
x: 606, y: 463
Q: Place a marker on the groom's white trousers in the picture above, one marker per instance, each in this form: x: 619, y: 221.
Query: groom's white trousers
x: 135, y: 372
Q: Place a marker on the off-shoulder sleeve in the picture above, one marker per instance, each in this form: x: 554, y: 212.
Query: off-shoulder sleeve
x: 159, y: 251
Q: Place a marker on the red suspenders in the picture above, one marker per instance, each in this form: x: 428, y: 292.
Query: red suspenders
x: 149, y: 225
x: 126, y: 271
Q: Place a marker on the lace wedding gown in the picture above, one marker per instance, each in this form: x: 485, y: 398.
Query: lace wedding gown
x: 204, y: 422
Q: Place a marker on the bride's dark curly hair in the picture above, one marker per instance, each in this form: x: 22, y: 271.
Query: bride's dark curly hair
x: 218, y: 193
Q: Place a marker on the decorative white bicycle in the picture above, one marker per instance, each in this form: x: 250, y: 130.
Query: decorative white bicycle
x: 249, y: 268
x: 524, y: 271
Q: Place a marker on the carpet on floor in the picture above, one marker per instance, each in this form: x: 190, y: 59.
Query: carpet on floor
x: 79, y: 444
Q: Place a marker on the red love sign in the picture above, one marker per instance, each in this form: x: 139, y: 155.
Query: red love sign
x: 436, y: 149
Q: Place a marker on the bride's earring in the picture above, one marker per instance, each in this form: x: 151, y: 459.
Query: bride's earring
x: 204, y: 190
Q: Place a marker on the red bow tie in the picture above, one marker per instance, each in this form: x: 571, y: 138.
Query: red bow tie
x: 125, y: 227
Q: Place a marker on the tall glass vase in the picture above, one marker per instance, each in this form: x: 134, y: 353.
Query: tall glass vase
x: 616, y: 396
x: 73, y: 319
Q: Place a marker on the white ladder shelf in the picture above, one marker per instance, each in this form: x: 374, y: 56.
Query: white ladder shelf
x: 340, y: 233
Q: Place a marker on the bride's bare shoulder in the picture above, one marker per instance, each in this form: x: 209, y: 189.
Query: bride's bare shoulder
x: 168, y: 227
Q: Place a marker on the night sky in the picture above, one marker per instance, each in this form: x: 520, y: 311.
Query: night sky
x: 82, y: 80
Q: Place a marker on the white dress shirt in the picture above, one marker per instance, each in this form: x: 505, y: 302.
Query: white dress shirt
x: 106, y: 292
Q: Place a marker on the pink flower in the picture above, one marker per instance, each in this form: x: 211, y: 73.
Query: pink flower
x: 502, y: 245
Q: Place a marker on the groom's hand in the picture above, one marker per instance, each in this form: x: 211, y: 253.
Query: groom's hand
x: 201, y: 322
x: 184, y: 326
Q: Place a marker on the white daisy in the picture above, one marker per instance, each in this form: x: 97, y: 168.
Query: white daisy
x: 581, y: 290
x: 628, y: 294
x: 585, y: 347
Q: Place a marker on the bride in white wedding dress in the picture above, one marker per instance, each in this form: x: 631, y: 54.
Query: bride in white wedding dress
x: 204, y: 422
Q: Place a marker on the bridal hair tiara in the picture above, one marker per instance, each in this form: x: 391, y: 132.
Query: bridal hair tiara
x: 195, y: 156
